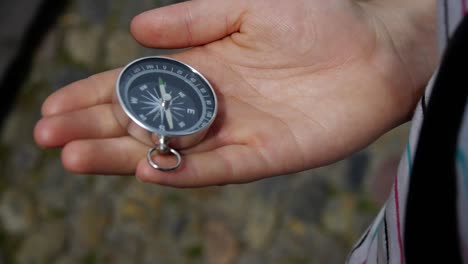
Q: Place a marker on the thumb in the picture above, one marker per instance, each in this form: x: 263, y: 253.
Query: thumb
x: 187, y: 24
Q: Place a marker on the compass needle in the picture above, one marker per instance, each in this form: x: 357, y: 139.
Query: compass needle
x: 169, y: 118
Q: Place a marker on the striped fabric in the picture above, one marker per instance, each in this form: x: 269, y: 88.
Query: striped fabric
x: 383, y: 241
x: 450, y: 13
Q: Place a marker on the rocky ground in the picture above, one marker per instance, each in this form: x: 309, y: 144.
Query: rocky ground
x: 48, y: 215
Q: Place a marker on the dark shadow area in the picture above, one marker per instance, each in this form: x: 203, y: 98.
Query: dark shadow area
x: 18, y: 70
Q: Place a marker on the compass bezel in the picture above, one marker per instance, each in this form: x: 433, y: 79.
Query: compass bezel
x: 123, y: 99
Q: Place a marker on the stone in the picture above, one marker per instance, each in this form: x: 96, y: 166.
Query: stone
x: 314, y: 246
x: 271, y: 189
x: 54, y: 187
x: 43, y: 244
x: 129, y: 9
x: 17, y: 214
x: 358, y: 167
x: 250, y: 257
x: 120, y: 254
x: 47, y: 51
x: 90, y: 222
x: 82, y: 44
x: 262, y: 218
x: 161, y: 250
x: 307, y: 199
x: 133, y: 217
x: 66, y: 259
x: 13, y: 131
x: 94, y: 12
x: 286, y: 248
x: 296, y: 226
x: 25, y: 156
x: 220, y: 244
x: 338, y: 214
x: 231, y: 203
x: 138, y: 210
x: 121, y: 49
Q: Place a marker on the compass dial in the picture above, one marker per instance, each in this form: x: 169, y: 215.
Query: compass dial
x: 166, y: 97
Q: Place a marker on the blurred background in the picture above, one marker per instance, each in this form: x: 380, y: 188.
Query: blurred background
x: 48, y: 215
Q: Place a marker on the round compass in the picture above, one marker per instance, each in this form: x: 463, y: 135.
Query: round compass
x: 166, y: 98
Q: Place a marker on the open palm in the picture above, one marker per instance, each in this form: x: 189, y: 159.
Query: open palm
x: 300, y: 84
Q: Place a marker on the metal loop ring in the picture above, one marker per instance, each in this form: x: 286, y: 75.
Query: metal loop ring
x: 156, y: 166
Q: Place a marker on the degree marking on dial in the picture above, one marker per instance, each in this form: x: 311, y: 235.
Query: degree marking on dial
x: 147, y: 107
x: 177, y: 113
x: 151, y: 101
x: 143, y: 117
x: 175, y: 117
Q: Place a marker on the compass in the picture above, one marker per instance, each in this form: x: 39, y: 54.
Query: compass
x: 159, y: 99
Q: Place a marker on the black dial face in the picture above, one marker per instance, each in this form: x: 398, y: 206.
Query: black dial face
x: 166, y: 97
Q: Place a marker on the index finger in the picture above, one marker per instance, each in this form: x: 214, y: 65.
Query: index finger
x: 94, y: 90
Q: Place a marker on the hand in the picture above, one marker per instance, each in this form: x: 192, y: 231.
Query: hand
x: 301, y: 84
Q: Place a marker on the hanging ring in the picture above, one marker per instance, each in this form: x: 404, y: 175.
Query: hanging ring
x: 163, y: 150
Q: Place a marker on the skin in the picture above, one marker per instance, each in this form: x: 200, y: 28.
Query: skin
x: 301, y: 84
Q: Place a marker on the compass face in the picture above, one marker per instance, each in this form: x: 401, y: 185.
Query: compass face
x: 166, y: 97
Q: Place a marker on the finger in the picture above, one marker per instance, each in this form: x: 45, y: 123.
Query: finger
x: 188, y: 23
x: 97, y: 89
x: 229, y: 164
x: 94, y: 122
x: 118, y: 156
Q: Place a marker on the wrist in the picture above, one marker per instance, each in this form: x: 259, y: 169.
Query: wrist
x: 409, y: 29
